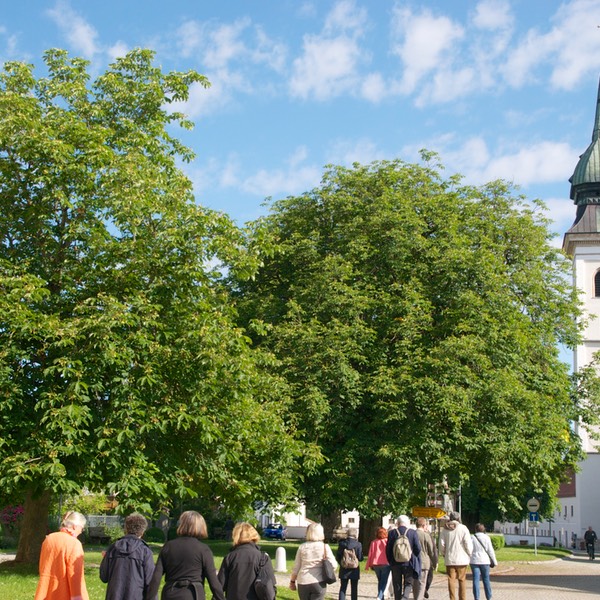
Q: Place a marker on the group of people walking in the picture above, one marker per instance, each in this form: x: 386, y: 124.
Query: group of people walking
x: 405, y: 552
x: 129, y: 571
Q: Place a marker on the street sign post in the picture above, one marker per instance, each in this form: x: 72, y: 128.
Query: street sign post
x: 429, y: 512
x: 533, y: 505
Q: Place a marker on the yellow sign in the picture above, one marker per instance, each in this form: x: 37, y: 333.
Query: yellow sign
x: 429, y: 512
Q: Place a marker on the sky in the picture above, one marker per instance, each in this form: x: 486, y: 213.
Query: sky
x: 498, y: 88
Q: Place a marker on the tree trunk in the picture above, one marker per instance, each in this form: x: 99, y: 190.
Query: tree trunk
x: 329, y: 522
x: 34, y: 526
x: 368, y: 532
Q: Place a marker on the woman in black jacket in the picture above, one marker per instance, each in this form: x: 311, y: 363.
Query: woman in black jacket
x: 186, y: 562
x: 240, y: 566
x: 349, y: 574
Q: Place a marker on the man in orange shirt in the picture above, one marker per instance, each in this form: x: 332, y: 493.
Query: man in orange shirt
x: 61, y: 562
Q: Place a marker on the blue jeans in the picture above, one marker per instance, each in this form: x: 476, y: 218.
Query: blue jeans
x: 481, y: 572
x: 383, y: 573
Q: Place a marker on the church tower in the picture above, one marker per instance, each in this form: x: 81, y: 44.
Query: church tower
x: 579, y: 500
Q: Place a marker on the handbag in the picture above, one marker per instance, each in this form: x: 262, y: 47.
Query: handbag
x: 328, y: 572
x: 263, y: 582
x: 492, y: 561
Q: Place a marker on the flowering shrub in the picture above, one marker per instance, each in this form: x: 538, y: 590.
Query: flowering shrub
x: 11, y: 516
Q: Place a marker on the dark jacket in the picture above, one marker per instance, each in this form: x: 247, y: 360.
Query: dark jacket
x: 350, y: 544
x: 238, y: 571
x: 415, y: 560
x: 127, y: 567
x: 186, y: 562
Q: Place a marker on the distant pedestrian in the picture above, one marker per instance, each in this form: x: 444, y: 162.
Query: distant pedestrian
x: 590, y: 538
x: 482, y: 559
x: 404, y: 572
x: 349, y: 573
x: 61, y: 562
x: 456, y: 547
x: 434, y: 563
x: 428, y: 558
x: 128, y: 564
x: 377, y: 560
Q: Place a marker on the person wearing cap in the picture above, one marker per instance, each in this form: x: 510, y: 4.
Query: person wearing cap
x: 404, y: 573
x: 456, y: 547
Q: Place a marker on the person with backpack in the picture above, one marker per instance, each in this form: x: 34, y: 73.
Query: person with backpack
x: 403, y: 552
x: 456, y: 547
x: 349, y: 554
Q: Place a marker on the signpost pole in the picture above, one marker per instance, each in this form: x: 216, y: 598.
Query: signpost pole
x: 535, y: 539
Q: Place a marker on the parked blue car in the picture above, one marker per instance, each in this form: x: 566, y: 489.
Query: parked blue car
x: 275, y: 531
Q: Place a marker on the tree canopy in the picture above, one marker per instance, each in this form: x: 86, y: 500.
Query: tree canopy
x: 121, y: 364
x: 417, y: 321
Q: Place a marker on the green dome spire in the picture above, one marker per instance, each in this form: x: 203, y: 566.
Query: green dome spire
x: 585, y: 181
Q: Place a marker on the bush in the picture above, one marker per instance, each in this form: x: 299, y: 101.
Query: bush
x: 498, y: 541
x: 114, y: 532
x: 154, y: 534
x: 172, y: 532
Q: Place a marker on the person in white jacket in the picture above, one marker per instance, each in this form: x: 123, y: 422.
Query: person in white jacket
x: 482, y: 559
x: 456, y: 547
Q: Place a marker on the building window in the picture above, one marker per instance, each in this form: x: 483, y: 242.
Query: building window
x: 597, y: 284
x: 571, y: 510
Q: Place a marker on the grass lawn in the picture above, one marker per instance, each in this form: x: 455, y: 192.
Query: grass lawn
x: 18, y: 582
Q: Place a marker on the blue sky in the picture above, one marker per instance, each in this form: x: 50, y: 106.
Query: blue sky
x: 499, y: 88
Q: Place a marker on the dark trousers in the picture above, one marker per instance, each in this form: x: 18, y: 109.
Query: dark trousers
x: 353, y: 589
x: 402, y: 579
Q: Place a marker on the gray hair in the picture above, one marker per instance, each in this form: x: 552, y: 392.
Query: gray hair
x: 403, y: 521
x: 73, y: 519
x: 352, y: 532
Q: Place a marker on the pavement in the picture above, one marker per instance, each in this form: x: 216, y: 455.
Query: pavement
x: 572, y: 578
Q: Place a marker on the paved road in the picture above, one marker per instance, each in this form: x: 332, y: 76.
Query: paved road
x: 574, y: 578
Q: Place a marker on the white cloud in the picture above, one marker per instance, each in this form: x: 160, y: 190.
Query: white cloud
x: 117, y: 50
x: 492, y: 15
x: 424, y: 43
x: 541, y: 162
x: 347, y: 152
x: 223, y: 86
x: 571, y: 47
x: 345, y: 16
x: 374, y: 88
x: 294, y: 178
x: 78, y: 32
x: 327, y: 68
x: 329, y: 63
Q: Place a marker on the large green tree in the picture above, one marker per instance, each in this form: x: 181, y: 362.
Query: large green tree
x: 418, y: 320
x: 121, y: 364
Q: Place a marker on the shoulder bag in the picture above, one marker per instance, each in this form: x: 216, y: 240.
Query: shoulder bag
x: 263, y: 582
x: 328, y: 572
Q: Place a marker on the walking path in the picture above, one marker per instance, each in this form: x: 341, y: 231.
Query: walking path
x: 573, y: 578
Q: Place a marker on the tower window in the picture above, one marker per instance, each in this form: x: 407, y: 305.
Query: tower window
x: 597, y: 284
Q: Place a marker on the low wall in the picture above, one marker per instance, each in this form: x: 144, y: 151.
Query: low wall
x: 513, y: 539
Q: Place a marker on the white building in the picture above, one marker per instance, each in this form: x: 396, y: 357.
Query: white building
x: 580, y: 503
